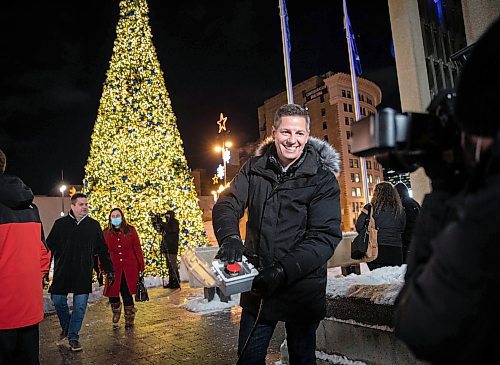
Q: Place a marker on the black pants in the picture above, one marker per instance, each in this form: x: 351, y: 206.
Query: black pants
x: 173, y: 269
x: 19, y: 346
x: 126, y: 296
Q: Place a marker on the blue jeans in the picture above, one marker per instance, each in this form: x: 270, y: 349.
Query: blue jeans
x: 71, y: 323
x: 300, y: 337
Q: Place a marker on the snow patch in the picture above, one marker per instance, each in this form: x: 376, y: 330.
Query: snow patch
x: 392, y: 277
x: 198, y: 304
x: 336, y: 359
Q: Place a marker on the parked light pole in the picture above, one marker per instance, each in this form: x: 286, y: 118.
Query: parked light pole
x: 226, y: 156
x: 62, y: 189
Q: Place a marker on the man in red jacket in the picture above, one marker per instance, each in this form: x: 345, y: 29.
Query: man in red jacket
x: 24, y: 260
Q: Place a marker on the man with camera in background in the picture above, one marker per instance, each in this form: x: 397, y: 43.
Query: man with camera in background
x: 169, y: 230
x: 446, y: 312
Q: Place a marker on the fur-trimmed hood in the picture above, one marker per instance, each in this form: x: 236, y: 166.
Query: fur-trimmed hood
x: 329, y: 159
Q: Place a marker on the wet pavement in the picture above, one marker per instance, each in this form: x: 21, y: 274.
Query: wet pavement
x: 164, y: 333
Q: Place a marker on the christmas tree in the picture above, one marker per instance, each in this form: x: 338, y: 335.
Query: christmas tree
x: 137, y: 160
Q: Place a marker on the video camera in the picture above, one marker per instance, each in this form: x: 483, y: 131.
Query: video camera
x: 157, y: 221
x: 405, y: 141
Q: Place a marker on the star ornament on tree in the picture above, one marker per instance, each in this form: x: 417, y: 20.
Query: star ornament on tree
x: 222, y: 123
x: 215, y: 180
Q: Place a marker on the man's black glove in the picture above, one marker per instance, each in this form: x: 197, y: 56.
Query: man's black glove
x: 111, y: 277
x: 231, y: 250
x: 268, y: 280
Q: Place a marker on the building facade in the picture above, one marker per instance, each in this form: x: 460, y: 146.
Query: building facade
x: 330, y: 103
x: 426, y: 33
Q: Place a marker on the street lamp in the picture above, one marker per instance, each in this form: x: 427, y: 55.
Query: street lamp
x: 62, y: 189
x: 226, y: 156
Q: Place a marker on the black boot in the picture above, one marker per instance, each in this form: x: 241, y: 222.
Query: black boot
x: 174, y: 285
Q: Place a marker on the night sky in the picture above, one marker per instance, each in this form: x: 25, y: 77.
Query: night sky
x: 217, y: 56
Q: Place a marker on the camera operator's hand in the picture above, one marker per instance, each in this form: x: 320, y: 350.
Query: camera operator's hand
x: 111, y: 277
x: 231, y: 250
x: 268, y: 280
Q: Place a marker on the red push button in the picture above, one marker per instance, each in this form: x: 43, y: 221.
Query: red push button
x: 233, y: 269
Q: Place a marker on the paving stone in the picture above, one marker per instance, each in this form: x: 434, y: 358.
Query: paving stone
x: 164, y: 333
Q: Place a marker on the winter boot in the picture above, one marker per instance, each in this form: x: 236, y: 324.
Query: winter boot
x: 129, y: 315
x: 117, y: 311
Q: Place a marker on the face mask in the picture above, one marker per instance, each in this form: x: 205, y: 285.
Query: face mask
x: 116, y: 221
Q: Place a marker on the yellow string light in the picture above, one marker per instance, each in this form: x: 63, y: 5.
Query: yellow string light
x: 137, y: 160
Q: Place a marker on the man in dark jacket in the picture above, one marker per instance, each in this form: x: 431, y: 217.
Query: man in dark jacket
x: 73, y: 241
x: 447, y: 312
x: 170, y: 247
x: 412, y: 208
x: 24, y: 260
x: 293, y: 202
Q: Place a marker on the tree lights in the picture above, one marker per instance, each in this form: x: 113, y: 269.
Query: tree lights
x: 137, y: 158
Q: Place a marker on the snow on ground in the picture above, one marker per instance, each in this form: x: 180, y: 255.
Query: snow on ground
x: 199, y: 304
x: 392, y: 277
x: 336, y: 359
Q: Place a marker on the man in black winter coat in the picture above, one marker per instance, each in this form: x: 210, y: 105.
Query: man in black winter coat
x: 447, y: 311
x: 170, y: 248
x: 293, y: 202
x: 412, y: 208
x: 73, y: 241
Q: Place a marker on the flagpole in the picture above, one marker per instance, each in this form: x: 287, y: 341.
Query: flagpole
x: 364, y: 176
x: 286, y: 55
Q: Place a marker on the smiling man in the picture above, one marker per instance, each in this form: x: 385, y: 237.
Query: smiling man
x: 290, y: 138
x: 292, y: 196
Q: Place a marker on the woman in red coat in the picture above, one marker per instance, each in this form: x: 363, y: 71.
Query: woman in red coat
x: 126, y: 254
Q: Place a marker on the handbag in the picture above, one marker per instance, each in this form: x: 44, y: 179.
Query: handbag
x: 364, y: 245
x: 141, y: 293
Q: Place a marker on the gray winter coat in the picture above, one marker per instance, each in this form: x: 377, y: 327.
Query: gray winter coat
x: 293, y: 219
